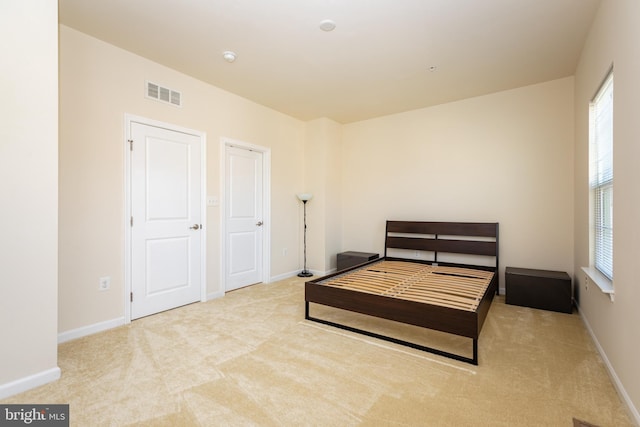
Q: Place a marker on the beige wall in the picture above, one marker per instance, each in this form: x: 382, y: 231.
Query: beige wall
x: 613, y: 39
x: 505, y: 157
x: 323, y: 179
x: 28, y: 193
x: 99, y: 83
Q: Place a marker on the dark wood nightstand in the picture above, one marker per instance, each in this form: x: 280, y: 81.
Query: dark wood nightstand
x: 544, y: 289
x: 349, y: 259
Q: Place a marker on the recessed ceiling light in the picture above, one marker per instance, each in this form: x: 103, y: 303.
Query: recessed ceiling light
x: 327, y: 25
x: 229, y: 56
x: 433, y: 68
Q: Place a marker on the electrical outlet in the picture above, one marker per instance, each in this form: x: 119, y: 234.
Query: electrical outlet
x: 104, y: 283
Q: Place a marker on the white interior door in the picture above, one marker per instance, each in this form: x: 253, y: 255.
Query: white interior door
x: 166, y: 219
x: 243, y: 217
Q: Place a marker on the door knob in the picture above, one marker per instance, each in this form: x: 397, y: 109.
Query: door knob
x: 195, y: 227
x: 259, y: 223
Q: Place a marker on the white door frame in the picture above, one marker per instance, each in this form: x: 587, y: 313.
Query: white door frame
x: 128, y: 120
x: 266, y: 207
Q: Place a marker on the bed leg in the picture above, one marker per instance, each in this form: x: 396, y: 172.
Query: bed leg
x: 306, y: 310
x: 475, y: 352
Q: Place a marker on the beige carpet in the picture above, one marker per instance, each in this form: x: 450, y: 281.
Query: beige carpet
x: 250, y: 358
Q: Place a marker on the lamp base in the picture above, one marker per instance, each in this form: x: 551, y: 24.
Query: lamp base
x: 305, y: 273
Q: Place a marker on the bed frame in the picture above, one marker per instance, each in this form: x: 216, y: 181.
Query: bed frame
x: 430, y: 238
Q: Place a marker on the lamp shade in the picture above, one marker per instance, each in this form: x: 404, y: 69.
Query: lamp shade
x: 305, y: 197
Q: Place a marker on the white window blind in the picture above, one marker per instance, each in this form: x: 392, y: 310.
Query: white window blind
x: 601, y: 176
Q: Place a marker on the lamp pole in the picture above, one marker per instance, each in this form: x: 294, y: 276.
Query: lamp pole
x: 305, y: 197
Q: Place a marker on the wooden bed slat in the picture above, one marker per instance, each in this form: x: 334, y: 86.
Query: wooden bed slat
x: 446, y: 286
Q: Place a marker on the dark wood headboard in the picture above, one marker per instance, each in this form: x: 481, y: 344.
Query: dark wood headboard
x: 480, y: 238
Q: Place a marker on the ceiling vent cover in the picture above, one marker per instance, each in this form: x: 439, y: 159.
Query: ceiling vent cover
x: 163, y: 94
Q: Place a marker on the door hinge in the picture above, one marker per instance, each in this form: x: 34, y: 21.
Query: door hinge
x: 131, y: 222
x: 130, y: 144
x: 131, y: 297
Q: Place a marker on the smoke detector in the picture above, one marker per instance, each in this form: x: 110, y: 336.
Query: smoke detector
x: 327, y: 25
x: 229, y: 56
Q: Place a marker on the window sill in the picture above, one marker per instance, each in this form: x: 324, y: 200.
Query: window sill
x: 594, y: 276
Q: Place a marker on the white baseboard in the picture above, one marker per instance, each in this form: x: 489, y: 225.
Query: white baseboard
x: 215, y: 295
x: 316, y: 274
x: 633, y: 411
x: 323, y: 273
x: 27, y: 383
x: 284, y: 276
x: 90, y: 329
x: 290, y: 274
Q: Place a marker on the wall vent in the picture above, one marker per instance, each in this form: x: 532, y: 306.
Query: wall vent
x: 163, y: 94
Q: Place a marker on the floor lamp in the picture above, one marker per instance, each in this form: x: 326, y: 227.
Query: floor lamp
x: 304, y: 198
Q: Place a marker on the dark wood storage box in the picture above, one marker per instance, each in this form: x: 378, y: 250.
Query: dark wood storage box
x: 349, y: 259
x: 547, y: 290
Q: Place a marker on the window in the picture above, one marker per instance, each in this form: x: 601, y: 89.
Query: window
x: 601, y: 177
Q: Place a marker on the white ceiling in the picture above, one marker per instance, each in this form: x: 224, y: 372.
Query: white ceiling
x: 376, y: 62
